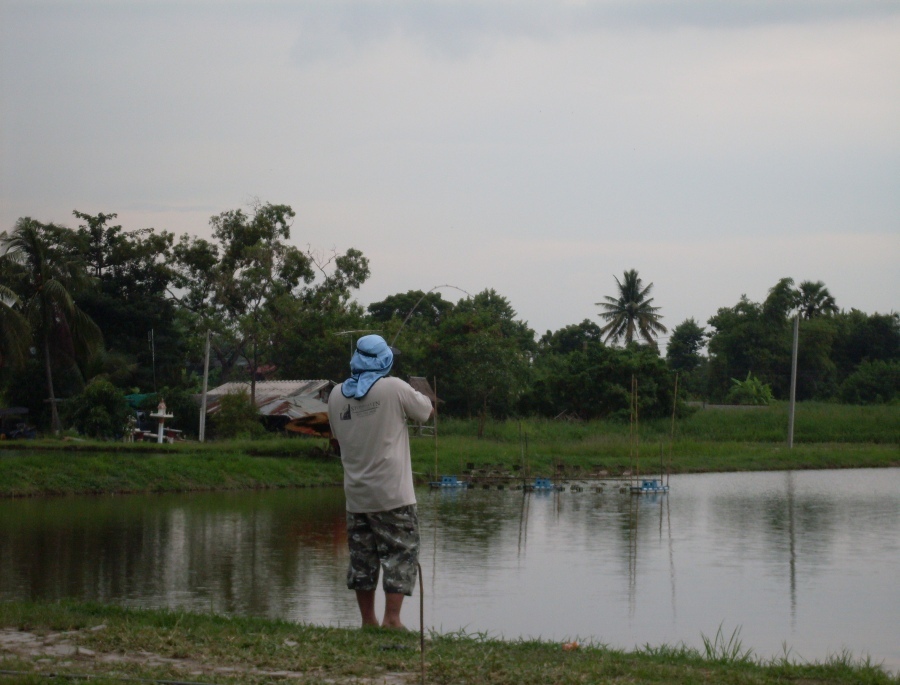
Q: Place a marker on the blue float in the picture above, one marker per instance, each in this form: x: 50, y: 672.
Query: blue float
x: 649, y: 486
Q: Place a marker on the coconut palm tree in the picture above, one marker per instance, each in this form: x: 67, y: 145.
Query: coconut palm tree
x: 46, y: 277
x: 15, y: 334
x: 815, y: 300
x: 631, y: 312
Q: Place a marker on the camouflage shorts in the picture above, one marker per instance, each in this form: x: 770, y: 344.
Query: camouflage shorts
x: 385, y: 538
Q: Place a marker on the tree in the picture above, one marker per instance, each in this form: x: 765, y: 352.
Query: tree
x: 231, y: 287
x: 861, y: 342
x: 631, y: 311
x: 412, y: 322
x: 873, y: 382
x: 683, y: 350
x: 780, y: 302
x: 757, y: 338
x: 481, y: 357
x: 815, y: 300
x: 740, y: 342
x: 570, y: 338
x: 45, y: 275
x: 15, y: 334
x: 683, y: 356
x: 414, y: 307
x: 141, y: 329
x: 307, y: 344
x: 592, y: 380
x: 864, y: 337
x: 255, y: 291
x: 100, y: 411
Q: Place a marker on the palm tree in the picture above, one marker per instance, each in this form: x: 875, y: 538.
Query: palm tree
x: 15, y: 334
x: 815, y: 300
x: 45, y: 276
x: 631, y: 312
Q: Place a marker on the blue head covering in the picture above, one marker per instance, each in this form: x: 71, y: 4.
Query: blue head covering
x: 371, y: 362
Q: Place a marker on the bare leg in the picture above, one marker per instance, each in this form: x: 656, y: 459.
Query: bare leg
x: 393, y: 602
x: 366, y: 601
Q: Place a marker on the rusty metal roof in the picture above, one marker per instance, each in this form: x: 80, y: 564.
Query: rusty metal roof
x: 421, y: 384
x: 292, y: 399
x: 273, y: 388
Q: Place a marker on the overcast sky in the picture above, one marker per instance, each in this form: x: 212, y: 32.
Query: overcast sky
x: 537, y: 148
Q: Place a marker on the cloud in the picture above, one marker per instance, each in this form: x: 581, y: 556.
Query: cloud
x: 538, y: 148
x: 456, y: 29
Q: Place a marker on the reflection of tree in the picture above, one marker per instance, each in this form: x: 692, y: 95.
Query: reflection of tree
x: 249, y: 554
x: 283, y: 553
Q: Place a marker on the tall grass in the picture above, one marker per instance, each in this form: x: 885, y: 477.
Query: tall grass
x: 712, y: 439
x: 727, y: 650
x: 814, y: 422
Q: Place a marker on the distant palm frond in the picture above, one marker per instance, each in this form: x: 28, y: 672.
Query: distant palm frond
x: 631, y: 312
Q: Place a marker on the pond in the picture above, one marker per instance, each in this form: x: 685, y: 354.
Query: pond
x: 807, y: 559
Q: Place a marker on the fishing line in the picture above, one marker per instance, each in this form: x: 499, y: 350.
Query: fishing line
x: 421, y: 620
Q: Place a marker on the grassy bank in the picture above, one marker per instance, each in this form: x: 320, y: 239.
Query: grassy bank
x: 107, y: 642
x: 63, y: 472
x: 815, y: 422
x: 826, y: 436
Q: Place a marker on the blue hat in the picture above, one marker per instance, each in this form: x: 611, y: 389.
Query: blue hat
x: 371, y: 361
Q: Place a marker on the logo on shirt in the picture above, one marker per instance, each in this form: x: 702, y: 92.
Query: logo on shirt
x: 359, y: 410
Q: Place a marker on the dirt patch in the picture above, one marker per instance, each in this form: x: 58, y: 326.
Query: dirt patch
x: 56, y: 650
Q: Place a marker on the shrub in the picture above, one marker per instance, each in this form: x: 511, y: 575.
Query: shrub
x: 873, y: 382
x: 100, y: 411
x: 237, y: 417
x: 750, y: 391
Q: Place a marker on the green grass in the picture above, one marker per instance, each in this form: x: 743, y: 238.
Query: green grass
x: 826, y: 436
x: 714, y: 439
x: 815, y: 422
x: 63, y: 473
x: 613, y: 455
x: 201, y: 647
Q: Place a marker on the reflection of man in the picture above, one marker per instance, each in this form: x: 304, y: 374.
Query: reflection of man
x: 367, y: 413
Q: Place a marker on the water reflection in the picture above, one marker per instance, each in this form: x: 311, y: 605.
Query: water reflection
x: 266, y: 554
x: 806, y: 558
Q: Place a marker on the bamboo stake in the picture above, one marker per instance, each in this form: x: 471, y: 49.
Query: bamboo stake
x: 435, y: 429
x: 672, y: 440
x: 634, y: 430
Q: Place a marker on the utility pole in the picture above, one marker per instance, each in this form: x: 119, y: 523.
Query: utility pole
x: 793, y: 382
x: 152, y: 340
x: 201, y: 434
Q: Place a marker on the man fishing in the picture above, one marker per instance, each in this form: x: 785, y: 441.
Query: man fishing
x: 367, y: 413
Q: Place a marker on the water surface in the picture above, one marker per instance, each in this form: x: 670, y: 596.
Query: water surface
x: 807, y: 559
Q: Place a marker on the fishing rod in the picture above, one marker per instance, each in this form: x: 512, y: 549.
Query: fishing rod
x: 418, y: 302
x: 421, y: 620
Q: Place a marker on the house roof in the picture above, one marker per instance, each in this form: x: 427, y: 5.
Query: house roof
x: 272, y: 388
x: 294, y: 407
x: 421, y: 384
x: 292, y: 399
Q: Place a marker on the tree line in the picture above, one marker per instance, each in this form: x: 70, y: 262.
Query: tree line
x: 100, y: 310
